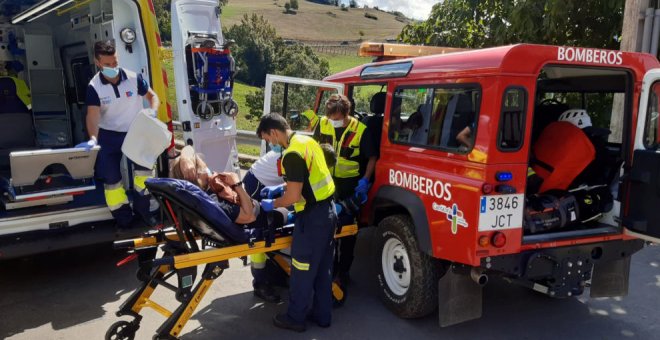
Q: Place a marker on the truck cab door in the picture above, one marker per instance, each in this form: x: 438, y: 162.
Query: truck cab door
x: 202, y: 65
x: 300, y: 101
x: 641, y: 208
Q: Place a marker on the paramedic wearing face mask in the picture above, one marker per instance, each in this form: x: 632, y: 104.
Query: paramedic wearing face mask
x: 309, y: 188
x: 114, y: 98
x: 356, y: 160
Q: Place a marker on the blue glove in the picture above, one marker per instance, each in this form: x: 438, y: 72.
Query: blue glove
x: 88, y: 145
x: 361, y: 197
x: 267, y: 205
x: 363, y: 186
x: 290, y: 218
x: 273, y: 191
x: 338, y: 208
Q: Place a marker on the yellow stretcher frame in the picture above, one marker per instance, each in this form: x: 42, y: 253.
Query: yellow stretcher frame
x: 214, y: 260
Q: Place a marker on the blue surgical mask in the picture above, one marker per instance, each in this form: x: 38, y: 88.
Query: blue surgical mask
x: 110, y: 72
x: 276, y: 148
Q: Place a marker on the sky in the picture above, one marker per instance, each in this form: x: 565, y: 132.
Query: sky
x: 416, y: 9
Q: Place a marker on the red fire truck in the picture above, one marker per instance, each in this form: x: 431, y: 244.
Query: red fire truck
x: 537, y: 164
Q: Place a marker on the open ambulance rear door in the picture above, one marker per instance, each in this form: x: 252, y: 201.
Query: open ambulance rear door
x: 641, y: 208
x: 196, y: 26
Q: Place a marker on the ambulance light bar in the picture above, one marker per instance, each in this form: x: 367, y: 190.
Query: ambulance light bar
x: 387, y: 51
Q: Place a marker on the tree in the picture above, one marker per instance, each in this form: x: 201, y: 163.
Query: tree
x: 476, y: 24
x: 255, y: 48
x: 352, y: 4
x: 294, y: 4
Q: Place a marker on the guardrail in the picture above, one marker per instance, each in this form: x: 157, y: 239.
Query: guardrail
x: 245, y: 137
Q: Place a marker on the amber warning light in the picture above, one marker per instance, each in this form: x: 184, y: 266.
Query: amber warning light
x: 388, y: 51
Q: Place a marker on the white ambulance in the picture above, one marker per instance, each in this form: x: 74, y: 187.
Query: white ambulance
x: 49, y: 198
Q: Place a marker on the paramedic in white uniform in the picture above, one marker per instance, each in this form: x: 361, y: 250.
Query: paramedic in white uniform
x: 114, y: 97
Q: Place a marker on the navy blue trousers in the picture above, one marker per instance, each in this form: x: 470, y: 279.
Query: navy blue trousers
x: 108, y: 170
x: 312, y: 253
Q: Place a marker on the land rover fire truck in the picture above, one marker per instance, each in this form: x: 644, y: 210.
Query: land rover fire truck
x: 537, y: 164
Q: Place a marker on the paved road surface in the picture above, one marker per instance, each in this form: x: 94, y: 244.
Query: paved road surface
x: 74, y: 294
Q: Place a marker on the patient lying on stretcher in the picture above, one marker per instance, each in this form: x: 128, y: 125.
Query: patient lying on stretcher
x: 227, y: 190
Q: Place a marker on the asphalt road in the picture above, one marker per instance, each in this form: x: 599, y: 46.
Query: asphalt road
x: 74, y: 294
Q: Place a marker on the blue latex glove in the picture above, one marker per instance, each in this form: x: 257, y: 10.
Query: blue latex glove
x: 363, y: 186
x: 361, y: 197
x: 88, y: 145
x: 267, y: 205
x: 290, y: 218
x: 273, y: 191
x: 338, y: 208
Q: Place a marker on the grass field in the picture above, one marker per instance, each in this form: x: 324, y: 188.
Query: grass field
x: 340, y: 63
x: 315, y: 21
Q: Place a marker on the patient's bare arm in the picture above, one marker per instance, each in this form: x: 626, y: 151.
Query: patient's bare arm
x: 246, y: 215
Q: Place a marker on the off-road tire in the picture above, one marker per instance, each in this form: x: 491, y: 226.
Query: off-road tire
x: 420, y: 297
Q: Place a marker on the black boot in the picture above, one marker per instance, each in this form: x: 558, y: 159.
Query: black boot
x: 283, y: 321
x: 266, y: 293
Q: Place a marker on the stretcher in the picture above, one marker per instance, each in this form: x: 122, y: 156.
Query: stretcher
x: 195, y: 231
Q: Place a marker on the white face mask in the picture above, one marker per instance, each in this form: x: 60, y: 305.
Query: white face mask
x: 337, y: 123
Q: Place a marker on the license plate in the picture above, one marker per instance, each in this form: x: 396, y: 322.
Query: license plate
x: 501, y: 212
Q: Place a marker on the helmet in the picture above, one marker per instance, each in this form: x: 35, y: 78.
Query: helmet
x: 577, y: 117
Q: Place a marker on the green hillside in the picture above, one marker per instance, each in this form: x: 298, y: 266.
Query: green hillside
x: 317, y: 22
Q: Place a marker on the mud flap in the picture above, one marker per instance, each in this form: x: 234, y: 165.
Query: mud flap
x: 610, y: 278
x: 459, y: 298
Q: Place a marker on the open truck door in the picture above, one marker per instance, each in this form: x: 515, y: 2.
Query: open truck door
x: 204, y: 73
x: 301, y: 101
x: 641, y: 208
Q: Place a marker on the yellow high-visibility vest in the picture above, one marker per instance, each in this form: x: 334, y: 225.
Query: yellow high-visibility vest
x: 347, y: 148
x: 319, y: 176
x: 312, y: 118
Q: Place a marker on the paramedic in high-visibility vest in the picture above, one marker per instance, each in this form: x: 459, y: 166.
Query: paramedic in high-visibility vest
x: 356, y: 161
x: 309, y: 188
x: 114, y: 98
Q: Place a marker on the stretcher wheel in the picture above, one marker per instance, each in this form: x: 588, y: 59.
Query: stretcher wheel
x: 122, y: 330
x: 230, y: 108
x: 205, y: 110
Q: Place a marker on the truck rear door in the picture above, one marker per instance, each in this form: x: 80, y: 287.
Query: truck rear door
x: 198, y: 46
x: 299, y: 100
x: 641, y: 213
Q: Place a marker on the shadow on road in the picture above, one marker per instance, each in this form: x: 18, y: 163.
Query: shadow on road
x: 63, y: 289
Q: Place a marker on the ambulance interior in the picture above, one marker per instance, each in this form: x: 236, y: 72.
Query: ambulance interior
x: 576, y: 151
x: 46, y: 51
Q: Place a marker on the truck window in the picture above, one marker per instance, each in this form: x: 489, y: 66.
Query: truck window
x: 297, y: 103
x: 437, y: 117
x: 512, y: 119
x: 362, y: 94
x: 651, y: 137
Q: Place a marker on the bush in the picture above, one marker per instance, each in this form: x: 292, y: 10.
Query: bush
x: 370, y: 16
x: 287, y: 7
x: 294, y: 4
x: 344, y: 8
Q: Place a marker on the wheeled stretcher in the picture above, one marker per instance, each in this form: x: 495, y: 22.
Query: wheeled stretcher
x: 195, y: 232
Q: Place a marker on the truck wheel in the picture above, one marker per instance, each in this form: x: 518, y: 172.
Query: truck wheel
x: 408, y: 278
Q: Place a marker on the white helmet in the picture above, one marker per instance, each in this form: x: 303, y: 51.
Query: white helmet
x: 577, y: 117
